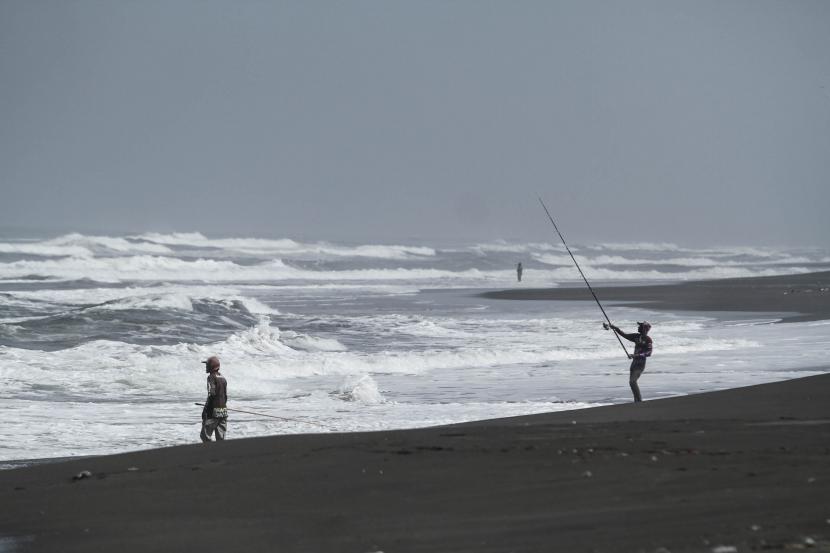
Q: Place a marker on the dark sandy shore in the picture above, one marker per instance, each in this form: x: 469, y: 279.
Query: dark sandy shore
x: 747, y: 468
x: 806, y: 296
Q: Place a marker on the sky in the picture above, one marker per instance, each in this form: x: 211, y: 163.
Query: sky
x: 695, y: 122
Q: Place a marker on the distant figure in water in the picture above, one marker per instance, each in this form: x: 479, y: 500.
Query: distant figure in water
x: 215, y: 413
x: 519, y: 271
x: 642, y: 349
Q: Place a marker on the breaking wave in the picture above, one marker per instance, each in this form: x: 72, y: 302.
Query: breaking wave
x: 79, y: 245
x: 361, y: 389
x: 168, y: 269
x: 155, y: 268
x: 286, y: 246
x: 153, y: 297
x: 350, y: 336
x: 502, y: 246
x: 262, y: 357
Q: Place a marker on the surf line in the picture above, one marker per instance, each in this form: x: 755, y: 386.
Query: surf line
x: 271, y: 416
x: 582, y: 274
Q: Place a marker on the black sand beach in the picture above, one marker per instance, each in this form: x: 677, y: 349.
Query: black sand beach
x: 746, y: 468
x: 805, y: 297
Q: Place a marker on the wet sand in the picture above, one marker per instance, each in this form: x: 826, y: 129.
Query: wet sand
x: 804, y: 297
x: 747, y: 468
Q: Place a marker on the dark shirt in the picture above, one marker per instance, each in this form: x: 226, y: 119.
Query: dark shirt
x: 217, y: 388
x: 642, y: 344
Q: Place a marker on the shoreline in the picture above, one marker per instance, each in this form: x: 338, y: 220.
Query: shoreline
x: 23, y: 454
x: 737, y: 469
x: 801, y: 297
x: 745, y: 468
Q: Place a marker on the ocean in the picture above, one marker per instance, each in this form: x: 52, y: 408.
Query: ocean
x: 101, y: 337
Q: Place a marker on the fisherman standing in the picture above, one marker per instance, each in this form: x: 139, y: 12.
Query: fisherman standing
x: 642, y: 349
x: 215, y: 412
x: 519, y: 271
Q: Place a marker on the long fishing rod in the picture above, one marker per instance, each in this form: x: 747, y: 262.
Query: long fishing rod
x: 270, y: 416
x: 588, y: 284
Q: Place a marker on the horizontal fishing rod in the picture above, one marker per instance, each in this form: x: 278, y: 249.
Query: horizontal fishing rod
x: 588, y: 284
x: 270, y: 416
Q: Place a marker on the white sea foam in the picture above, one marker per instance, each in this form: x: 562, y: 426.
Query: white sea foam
x: 430, y: 329
x: 178, y: 297
x: 150, y: 269
x: 114, y: 259
x: 44, y: 249
x: 174, y: 239
x: 94, y: 384
x: 304, y: 342
x: 80, y: 245
x: 154, y: 268
x: 358, y: 349
x: 286, y: 246
x: 514, y: 247
x: 262, y: 358
x: 642, y: 246
x: 362, y: 388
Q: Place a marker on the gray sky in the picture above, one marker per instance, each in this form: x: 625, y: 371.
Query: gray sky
x: 697, y: 122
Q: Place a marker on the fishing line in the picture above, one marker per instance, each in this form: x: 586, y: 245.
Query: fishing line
x: 582, y: 274
x: 270, y: 416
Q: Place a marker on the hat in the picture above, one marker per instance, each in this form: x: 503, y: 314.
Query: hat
x: 645, y: 324
x: 212, y: 362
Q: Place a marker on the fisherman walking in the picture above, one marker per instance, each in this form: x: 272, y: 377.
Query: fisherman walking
x: 519, y: 271
x: 642, y: 349
x: 215, y: 412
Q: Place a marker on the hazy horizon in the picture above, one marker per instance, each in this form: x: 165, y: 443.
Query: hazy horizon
x: 694, y: 123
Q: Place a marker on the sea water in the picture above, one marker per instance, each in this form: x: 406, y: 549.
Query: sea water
x: 101, y: 337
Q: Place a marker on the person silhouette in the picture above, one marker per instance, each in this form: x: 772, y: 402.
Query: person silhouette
x: 642, y: 349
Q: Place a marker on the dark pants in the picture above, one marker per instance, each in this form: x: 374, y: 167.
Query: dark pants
x: 637, y: 368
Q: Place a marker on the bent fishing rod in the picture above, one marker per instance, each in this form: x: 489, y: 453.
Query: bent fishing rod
x: 269, y: 416
x: 588, y: 284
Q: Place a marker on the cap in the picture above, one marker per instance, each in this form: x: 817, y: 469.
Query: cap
x: 644, y: 324
x: 212, y: 362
